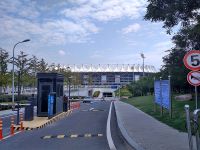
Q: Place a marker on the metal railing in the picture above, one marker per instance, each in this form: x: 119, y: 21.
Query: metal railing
x: 192, y: 127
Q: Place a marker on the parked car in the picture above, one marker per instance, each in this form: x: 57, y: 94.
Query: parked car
x: 87, y: 99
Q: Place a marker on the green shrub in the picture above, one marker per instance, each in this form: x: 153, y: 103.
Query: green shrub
x: 96, y: 93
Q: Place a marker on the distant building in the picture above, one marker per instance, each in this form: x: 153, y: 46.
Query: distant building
x: 110, y: 74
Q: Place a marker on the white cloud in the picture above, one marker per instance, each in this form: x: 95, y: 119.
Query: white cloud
x: 22, y: 19
x: 164, y: 45
x: 152, y: 57
x: 155, y: 56
x: 51, y: 32
x: 61, y: 52
x: 105, y: 10
x: 26, y: 18
x: 131, y: 28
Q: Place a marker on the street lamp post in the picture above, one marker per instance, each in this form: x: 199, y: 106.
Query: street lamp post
x: 13, y: 77
x: 142, y: 55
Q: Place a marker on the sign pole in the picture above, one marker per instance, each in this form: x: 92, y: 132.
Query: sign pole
x: 161, y: 107
x: 154, y: 96
x: 196, y: 100
x: 170, y: 96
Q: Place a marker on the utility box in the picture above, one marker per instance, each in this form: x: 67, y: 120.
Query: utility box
x: 49, y: 84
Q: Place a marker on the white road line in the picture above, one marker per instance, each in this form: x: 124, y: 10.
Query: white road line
x: 91, y: 109
x: 108, y: 132
x: 11, y: 135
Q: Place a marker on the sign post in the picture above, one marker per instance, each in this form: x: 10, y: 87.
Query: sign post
x: 193, y: 78
x: 161, y: 106
x: 170, y: 96
x: 192, y: 61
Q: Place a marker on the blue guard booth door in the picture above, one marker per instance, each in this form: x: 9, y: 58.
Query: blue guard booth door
x: 51, y: 101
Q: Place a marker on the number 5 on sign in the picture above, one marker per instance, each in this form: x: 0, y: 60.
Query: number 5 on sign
x: 192, y: 60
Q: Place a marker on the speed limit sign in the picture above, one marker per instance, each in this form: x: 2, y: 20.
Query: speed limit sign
x: 192, y: 60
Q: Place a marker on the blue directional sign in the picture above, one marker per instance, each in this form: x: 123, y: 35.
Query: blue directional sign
x: 165, y: 93
x: 157, y: 92
x: 162, y: 93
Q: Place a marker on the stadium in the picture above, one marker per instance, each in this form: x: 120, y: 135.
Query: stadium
x: 109, y: 74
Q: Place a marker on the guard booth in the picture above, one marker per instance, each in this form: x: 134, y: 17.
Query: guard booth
x: 50, y: 94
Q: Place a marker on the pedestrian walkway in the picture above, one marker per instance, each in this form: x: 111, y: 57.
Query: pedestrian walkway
x: 40, y: 122
x: 146, y: 133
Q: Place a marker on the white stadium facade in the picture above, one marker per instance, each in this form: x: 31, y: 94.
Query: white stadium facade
x: 109, y: 74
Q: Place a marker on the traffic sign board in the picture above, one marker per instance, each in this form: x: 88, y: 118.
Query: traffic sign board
x: 193, y: 78
x: 192, y: 60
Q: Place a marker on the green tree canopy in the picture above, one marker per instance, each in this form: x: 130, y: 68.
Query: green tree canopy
x: 186, y: 15
x: 173, y: 12
x: 43, y: 66
x: 4, y: 78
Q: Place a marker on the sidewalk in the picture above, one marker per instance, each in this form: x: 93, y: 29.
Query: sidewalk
x: 40, y: 122
x: 144, y: 132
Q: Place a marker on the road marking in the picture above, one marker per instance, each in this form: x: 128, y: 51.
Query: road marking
x: 84, y: 110
x: 91, y: 109
x: 87, y: 135
x: 100, y: 134
x: 60, y: 136
x: 74, y: 136
x: 47, y: 137
x: 108, y: 131
x: 11, y: 135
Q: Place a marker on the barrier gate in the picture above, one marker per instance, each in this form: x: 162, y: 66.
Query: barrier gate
x: 192, y: 127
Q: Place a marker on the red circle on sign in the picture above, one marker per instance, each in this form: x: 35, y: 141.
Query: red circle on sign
x: 186, y: 58
x: 189, y: 78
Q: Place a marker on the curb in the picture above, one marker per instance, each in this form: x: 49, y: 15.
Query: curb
x: 122, y: 129
x: 52, y: 120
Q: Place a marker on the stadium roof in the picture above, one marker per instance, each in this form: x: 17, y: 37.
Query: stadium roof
x: 108, y: 68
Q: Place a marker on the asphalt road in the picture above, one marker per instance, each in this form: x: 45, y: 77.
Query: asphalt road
x: 84, y: 129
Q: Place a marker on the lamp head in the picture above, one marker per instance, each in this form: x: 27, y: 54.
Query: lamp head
x: 142, y: 55
x: 27, y: 40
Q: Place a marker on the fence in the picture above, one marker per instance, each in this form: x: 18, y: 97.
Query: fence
x: 192, y: 127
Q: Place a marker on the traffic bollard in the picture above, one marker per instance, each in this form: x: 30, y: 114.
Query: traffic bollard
x: 12, y: 126
x: 21, y: 122
x: 1, y: 132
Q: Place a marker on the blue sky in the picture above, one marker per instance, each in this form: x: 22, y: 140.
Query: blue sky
x: 83, y: 31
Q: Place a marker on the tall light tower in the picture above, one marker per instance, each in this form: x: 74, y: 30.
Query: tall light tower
x: 142, y: 55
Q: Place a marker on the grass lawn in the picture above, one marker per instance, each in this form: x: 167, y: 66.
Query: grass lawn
x: 145, y: 103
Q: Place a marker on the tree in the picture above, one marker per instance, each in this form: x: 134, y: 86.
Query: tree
x: 186, y: 14
x: 34, y: 67
x: 188, y: 37
x: 173, y: 12
x: 141, y: 87
x: 4, y: 68
x: 42, y: 66
x: 23, y: 64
